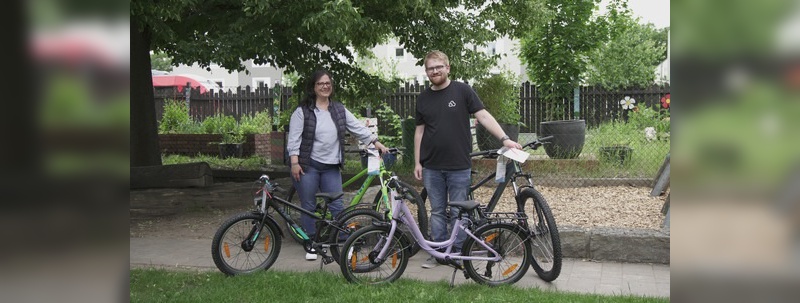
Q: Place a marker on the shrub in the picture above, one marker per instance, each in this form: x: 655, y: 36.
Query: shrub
x: 219, y: 124
x: 649, y: 117
x: 176, y: 119
x: 500, y: 97
x: 258, y: 123
x: 392, y: 120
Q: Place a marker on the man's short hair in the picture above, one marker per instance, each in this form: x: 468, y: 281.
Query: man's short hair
x: 437, y: 55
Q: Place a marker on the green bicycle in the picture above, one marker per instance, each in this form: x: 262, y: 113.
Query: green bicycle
x: 380, y: 203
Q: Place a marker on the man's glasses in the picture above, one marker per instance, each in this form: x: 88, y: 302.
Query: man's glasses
x: 323, y: 84
x: 434, y: 69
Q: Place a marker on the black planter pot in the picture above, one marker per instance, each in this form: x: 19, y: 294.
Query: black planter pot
x: 487, y: 141
x: 616, y: 154
x: 568, y: 138
x: 228, y: 150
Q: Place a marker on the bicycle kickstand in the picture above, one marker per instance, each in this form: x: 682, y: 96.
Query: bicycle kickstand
x: 453, y: 278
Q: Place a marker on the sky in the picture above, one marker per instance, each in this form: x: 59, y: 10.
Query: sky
x: 653, y: 11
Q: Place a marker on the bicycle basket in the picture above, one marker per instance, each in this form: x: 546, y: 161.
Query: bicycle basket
x: 388, y: 161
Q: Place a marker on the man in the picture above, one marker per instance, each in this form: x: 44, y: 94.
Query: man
x: 443, y: 141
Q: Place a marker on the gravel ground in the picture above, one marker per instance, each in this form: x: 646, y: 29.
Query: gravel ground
x: 618, y: 206
x: 621, y: 206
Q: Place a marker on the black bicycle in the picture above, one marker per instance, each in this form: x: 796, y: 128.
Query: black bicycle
x: 541, y: 225
x: 251, y: 241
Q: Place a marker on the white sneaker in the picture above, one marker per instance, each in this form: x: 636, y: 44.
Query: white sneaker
x: 311, y: 257
x: 430, y: 263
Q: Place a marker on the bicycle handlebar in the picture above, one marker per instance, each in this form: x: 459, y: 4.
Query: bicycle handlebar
x: 392, y: 151
x: 535, y: 144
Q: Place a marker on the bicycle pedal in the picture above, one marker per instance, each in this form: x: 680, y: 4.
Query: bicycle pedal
x: 327, y: 260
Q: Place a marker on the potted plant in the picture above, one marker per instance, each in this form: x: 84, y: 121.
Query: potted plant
x: 618, y: 154
x: 569, y: 135
x: 231, y: 144
x: 500, y: 96
x: 568, y: 138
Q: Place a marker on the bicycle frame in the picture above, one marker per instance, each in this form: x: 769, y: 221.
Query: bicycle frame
x: 274, y: 202
x: 383, y: 172
x: 513, y: 172
x: 403, y: 215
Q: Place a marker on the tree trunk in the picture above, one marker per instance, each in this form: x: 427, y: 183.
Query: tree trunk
x: 144, y: 130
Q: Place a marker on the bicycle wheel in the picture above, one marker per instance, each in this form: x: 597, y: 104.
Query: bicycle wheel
x: 291, y: 196
x: 233, y: 254
x: 363, y: 247
x: 510, y: 242
x: 350, y: 221
x: 545, y: 242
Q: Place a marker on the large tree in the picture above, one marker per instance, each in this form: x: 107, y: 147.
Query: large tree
x: 301, y: 36
x: 629, y: 57
x: 556, y: 52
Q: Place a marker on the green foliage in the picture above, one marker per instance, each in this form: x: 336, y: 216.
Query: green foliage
x: 285, y: 116
x: 226, y: 126
x: 219, y: 124
x: 161, y: 61
x: 630, y: 57
x: 387, y: 115
x: 296, y: 41
x: 500, y: 96
x: 251, y: 163
x: 556, y: 53
x: 258, y: 123
x: 650, y: 117
x: 176, y: 119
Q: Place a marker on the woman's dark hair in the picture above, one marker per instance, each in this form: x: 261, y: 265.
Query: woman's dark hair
x: 311, y: 96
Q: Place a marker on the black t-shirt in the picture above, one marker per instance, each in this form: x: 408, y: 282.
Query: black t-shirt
x: 447, y: 140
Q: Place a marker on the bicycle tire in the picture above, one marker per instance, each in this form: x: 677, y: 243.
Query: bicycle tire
x: 362, y: 247
x: 545, y: 240
x: 229, y: 254
x: 510, y: 241
x: 294, y: 214
x: 353, y: 221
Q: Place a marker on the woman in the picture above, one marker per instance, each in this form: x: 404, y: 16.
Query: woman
x: 316, y: 146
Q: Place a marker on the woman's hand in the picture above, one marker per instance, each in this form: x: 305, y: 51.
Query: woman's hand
x: 297, y: 171
x: 380, y: 147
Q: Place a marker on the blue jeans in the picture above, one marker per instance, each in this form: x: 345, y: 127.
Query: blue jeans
x: 440, y: 184
x: 318, y: 177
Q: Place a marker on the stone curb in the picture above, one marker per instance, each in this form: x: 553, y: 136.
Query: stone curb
x: 615, y: 244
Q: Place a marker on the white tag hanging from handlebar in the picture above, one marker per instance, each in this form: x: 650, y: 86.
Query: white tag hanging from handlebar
x: 514, y: 154
x: 373, y: 164
x: 500, y: 175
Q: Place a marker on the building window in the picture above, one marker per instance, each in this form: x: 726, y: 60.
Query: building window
x: 399, y: 53
x: 261, y: 81
x: 491, y: 49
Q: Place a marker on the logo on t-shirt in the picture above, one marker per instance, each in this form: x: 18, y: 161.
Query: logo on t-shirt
x: 451, y: 104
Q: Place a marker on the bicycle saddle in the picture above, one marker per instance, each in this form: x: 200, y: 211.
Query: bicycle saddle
x: 465, y: 205
x: 329, y: 196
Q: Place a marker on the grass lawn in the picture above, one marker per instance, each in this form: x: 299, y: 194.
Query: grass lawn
x: 158, y: 285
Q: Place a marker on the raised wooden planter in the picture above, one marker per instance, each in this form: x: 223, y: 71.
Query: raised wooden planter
x: 193, y: 144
